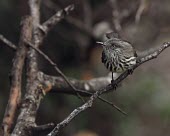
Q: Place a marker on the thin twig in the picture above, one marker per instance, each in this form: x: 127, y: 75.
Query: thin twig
x: 78, y: 23
x: 7, y: 42
x: 89, y: 103
x: 68, y: 82
x: 113, y: 105
x: 51, y: 22
x: 55, y: 67
x: 86, y: 87
x: 80, y: 91
x: 44, y: 127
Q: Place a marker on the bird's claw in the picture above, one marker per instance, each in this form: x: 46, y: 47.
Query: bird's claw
x: 130, y: 71
x: 114, y: 84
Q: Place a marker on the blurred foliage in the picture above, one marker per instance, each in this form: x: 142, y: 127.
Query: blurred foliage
x: 144, y: 95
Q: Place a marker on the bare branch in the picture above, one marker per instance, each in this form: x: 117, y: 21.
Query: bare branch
x: 89, y: 103
x: 32, y: 66
x: 50, y: 23
x: 72, y: 115
x: 52, y: 125
x: 35, y: 11
x: 7, y: 42
x: 62, y: 87
x: 25, y: 119
x: 113, y: 105
x: 59, y: 85
x: 44, y: 127
x: 55, y: 67
x: 16, y: 74
x: 28, y: 111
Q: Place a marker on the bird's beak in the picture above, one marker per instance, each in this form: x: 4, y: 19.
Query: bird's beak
x: 101, y: 43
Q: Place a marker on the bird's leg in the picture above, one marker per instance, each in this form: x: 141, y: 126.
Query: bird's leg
x: 112, y: 76
x: 114, y: 85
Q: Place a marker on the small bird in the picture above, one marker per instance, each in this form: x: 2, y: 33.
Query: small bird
x: 118, y: 55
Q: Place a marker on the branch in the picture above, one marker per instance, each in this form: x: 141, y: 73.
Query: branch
x: 44, y: 127
x: 55, y: 67
x: 16, y: 74
x: 35, y: 12
x: 7, y: 42
x: 83, y: 27
x: 50, y: 23
x: 25, y: 118
x: 90, y: 102
x: 77, y: 91
x: 28, y: 111
x: 52, y: 125
x: 32, y: 66
x: 59, y: 85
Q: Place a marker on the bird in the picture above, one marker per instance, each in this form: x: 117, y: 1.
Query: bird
x: 118, y: 55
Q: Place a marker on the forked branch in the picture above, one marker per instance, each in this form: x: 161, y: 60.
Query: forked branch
x: 16, y: 74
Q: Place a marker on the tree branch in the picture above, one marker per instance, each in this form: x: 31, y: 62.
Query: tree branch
x: 90, y: 102
x: 50, y: 23
x: 59, y: 85
x: 76, y: 91
x: 44, y: 127
x: 7, y: 42
x: 56, y: 68
x: 28, y: 110
x: 34, y: 90
x: 16, y: 74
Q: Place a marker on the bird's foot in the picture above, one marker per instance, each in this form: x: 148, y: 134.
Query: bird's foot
x: 130, y: 71
x: 114, y: 84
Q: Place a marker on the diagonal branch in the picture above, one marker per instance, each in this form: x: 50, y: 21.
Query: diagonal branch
x: 86, y: 87
x: 55, y: 67
x: 51, y: 22
x: 69, y: 83
x: 90, y: 102
x: 7, y: 42
x: 16, y: 74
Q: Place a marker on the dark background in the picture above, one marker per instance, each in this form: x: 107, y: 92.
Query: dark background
x: 145, y: 95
